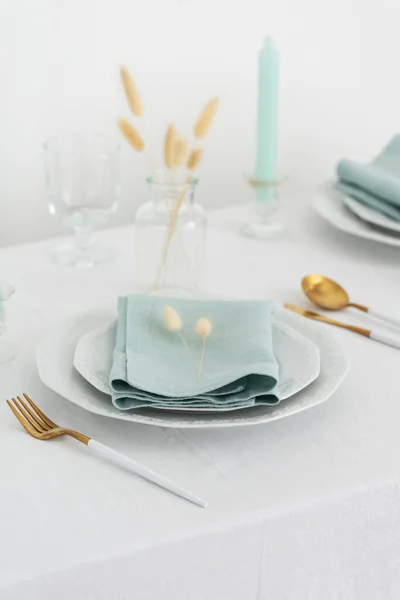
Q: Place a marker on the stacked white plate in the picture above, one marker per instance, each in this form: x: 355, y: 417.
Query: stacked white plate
x: 74, y: 360
x: 351, y: 216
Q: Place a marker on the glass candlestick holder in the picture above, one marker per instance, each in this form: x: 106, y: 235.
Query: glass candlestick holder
x: 264, y: 222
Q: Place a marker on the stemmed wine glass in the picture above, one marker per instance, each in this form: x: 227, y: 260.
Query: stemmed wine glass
x: 83, y: 188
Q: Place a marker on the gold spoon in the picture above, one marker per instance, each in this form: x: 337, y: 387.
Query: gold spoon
x: 374, y: 335
x: 328, y: 294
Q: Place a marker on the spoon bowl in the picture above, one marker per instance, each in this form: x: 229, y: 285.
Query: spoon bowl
x: 328, y: 294
x: 324, y: 292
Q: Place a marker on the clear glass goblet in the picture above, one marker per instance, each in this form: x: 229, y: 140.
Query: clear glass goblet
x: 83, y: 188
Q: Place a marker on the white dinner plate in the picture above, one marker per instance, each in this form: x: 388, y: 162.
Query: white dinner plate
x: 56, y: 351
x: 370, y: 215
x: 298, y: 360
x: 330, y: 205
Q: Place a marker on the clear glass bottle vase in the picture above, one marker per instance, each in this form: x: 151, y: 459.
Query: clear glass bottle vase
x: 170, y: 231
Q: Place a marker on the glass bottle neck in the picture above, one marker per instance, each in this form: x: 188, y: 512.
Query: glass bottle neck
x: 173, y: 194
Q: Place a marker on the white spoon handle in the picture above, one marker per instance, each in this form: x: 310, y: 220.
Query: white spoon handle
x: 145, y: 472
x: 379, y: 315
x: 382, y: 317
x: 384, y: 339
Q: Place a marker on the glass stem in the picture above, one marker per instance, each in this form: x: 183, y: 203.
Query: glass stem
x: 83, y: 239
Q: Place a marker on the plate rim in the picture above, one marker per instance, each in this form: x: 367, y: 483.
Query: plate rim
x: 367, y: 214
x: 324, y: 204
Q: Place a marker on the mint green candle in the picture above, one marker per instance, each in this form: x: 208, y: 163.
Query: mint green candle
x: 267, y: 121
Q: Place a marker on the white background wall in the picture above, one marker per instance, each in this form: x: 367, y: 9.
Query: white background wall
x: 340, y: 87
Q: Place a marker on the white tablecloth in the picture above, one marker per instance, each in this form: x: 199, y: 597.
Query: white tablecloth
x: 305, y: 508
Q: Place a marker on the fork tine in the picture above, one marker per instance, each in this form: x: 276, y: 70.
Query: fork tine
x: 23, y: 412
x: 24, y: 424
x: 34, y: 416
x: 39, y: 412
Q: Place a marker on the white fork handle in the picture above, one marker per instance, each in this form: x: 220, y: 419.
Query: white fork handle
x: 382, y: 317
x: 385, y: 339
x: 135, y: 467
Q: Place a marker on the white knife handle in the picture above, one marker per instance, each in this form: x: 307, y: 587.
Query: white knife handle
x: 384, y: 339
x: 379, y: 315
x: 135, y: 467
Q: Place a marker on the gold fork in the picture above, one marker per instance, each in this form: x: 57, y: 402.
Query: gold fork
x: 39, y: 426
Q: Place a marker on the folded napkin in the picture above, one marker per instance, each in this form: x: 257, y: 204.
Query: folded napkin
x: 152, y: 368
x: 376, y: 184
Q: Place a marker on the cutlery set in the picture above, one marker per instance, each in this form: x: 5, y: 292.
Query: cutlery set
x: 329, y: 295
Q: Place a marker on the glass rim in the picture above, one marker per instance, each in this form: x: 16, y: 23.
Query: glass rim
x: 186, y: 184
x: 112, y: 145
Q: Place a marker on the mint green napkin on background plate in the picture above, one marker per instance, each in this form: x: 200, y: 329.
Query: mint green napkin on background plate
x: 376, y: 184
x: 151, y: 366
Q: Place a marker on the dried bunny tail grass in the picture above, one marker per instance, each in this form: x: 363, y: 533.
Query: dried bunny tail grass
x: 132, y: 95
x: 169, y: 148
x: 205, y: 119
x: 180, y: 152
x: 131, y: 135
x: 172, y: 319
x: 203, y: 328
x: 173, y: 323
x: 194, y: 159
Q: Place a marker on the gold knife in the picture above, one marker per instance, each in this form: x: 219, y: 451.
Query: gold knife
x: 373, y: 335
x: 312, y: 315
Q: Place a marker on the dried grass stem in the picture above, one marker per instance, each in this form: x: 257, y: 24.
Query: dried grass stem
x: 169, y: 147
x: 131, y: 92
x: 203, y: 123
x: 131, y: 135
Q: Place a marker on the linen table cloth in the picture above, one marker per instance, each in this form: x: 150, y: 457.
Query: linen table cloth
x: 303, y: 508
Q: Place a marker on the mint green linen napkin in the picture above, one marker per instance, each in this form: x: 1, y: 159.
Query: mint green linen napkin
x: 376, y: 184
x: 151, y: 366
